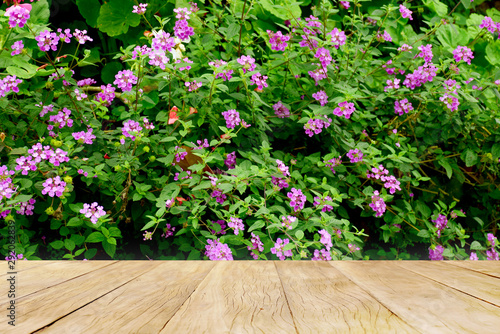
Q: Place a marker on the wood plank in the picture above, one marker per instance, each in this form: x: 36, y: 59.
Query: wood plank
x: 46, y: 306
x: 323, y: 300
x: 143, y: 305
x: 426, y: 305
x: 28, y: 281
x: 486, y: 288
x: 27, y: 265
x: 236, y: 297
x: 491, y: 268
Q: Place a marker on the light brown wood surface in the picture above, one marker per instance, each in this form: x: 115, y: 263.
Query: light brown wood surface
x: 256, y: 297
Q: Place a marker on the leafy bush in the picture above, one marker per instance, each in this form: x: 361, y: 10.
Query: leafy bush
x: 250, y: 129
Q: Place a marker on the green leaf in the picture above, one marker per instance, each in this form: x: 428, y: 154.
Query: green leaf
x: 493, y: 52
x: 232, y: 31
x: 446, y: 165
x: 470, y: 158
x: 424, y: 234
x: 90, y: 253
x: 58, y: 244
x: 75, y: 221
x: 437, y: 7
x: 40, y: 12
x: 69, y: 244
x: 109, y: 71
x: 289, y: 246
x: 115, y: 17
x: 479, y: 220
x: 495, y: 151
x: 452, y: 36
x: 110, y: 249
x: 95, y: 237
x: 256, y: 225
x: 89, y: 10
x: 148, y: 225
x: 299, y: 234
x: 281, y: 9
x: 475, y: 245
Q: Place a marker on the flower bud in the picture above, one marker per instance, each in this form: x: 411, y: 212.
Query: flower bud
x: 68, y: 179
x: 50, y: 211
x: 145, y: 149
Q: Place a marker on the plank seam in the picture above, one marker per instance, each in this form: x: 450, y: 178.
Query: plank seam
x: 449, y: 286
x: 374, y: 297
x: 286, y: 298
x: 53, y: 322
x: 471, y: 269
x: 187, y: 298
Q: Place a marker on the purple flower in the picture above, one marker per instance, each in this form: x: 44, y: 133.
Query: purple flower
x: 182, y: 13
x: 280, y: 110
x: 321, y: 97
x: 283, y: 168
x: 17, y: 47
x: 81, y: 36
x: 345, y: 4
x: 338, y: 37
x: 247, y: 62
x: 93, y: 211
x: 491, y: 239
x: 402, y: 106
x: 352, y: 248
x: 125, y: 79
x: 182, y: 30
x: 324, y: 57
x: 332, y: 163
x: 47, y: 40
x: 450, y: 101
x: 232, y: 118
x: 288, y: 221
x: 259, y: 80
x: 26, y: 208
x: 355, y: 155
x: 405, y: 47
x: 326, y: 239
x: 107, y: 95
x: 18, y: 16
x: 277, y: 40
x: 489, y: 24
x: 9, y: 83
x: 147, y: 235
x: 441, y: 223
x: 280, y: 183
x: 158, y: 58
x: 463, y: 53
x: 85, y: 137
x: 436, y: 253
x: 64, y: 36
x: 192, y: 86
x: 236, y: 224
x: 309, y: 42
x: 321, y: 255
x: 168, y: 232
x: 216, y: 251
x: 141, y: 9
x: 222, y: 225
x: 230, y: 161
x: 54, y: 186
x: 405, y: 12
x: 256, y: 245
x: 318, y: 75
x: 344, y: 109
x: 297, y: 199
x: 219, y: 196
x: 425, y: 52
x: 131, y: 129
x: 385, y: 37
x: 278, y: 249
x: 473, y: 256
x: 320, y: 203
x: 162, y: 41
x: 377, y: 204
x: 492, y: 255
x: 26, y: 164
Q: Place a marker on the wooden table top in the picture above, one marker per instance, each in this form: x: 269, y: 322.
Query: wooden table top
x: 254, y: 296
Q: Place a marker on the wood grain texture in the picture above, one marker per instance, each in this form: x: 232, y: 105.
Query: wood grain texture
x: 323, y: 300
x: 28, y: 281
x: 143, y: 305
x: 481, y: 286
x: 235, y: 297
x: 428, y: 306
x: 48, y: 305
x: 491, y: 268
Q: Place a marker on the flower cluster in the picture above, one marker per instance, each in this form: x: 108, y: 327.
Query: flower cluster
x: 217, y: 251
x: 297, y: 199
x: 463, y: 53
x: 222, y: 225
x: 385, y: 37
x: 355, y: 155
x: 54, y: 186
x: 280, y: 110
x: 318, y: 75
x: 321, y: 97
x: 278, y: 249
x: 279, y: 182
x: 326, y: 239
x: 247, y: 62
x: 232, y: 118
x: 236, y: 224
x: 219, y: 196
x: 324, y: 57
x: 131, y: 129
x: 84, y: 137
x: 277, y: 40
x: 17, y: 47
x: 405, y: 12
x: 402, y: 106
x: 106, y: 95
x: 93, y: 211
x: 288, y: 221
x: 81, y: 36
x: 344, y: 109
x: 321, y: 255
x: 338, y: 37
x: 168, y: 231
x: 18, y: 15
x: 192, y: 86
x: 141, y: 9
x: 332, y: 163
x: 320, y: 203
x: 230, y: 161
x: 436, y: 253
x: 125, y: 79
x: 256, y: 245
x: 181, y: 29
x: 47, y: 40
x: 7, y: 188
x: 377, y: 204
x: 9, y: 83
x: 259, y: 80
x: 26, y: 208
x: 316, y: 125
x: 423, y: 74
x: 492, y: 254
x: 441, y: 223
x: 382, y: 174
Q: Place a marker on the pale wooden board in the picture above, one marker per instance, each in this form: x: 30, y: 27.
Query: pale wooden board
x: 236, y: 297
x: 486, y: 267
x: 426, y: 305
x: 481, y: 286
x: 323, y: 300
x: 22, y: 265
x: 55, y: 272
x: 46, y: 306
x: 143, y: 305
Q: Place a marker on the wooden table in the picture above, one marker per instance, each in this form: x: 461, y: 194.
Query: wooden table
x: 254, y: 296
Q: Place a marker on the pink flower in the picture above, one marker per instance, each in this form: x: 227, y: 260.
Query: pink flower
x: 247, y: 62
x: 54, y: 186
x: 17, y: 47
x: 377, y: 204
x: 18, y: 15
x: 93, y: 211
x: 125, y: 79
x: 256, y: 245
x: 321, y: 255
x: 236, y: 224
x: 288, y: 221
x: 182, y: 30
x: 277, y: 40
x: 436, y: 253
x: 326, y: 239
x: 217, y: 251
x: 355, y: 155
x: 321, y: 97
x: 489, y: 24
x: 141, y: 9
x: 278, y: 249
x: 338, y: 37
x: 47, y: 41
x: 344, y: 109
x: 297, y: 199
x: 405, y: 12
x: 463, y: 53
x: 232, y: 118
x: 81, y: 36
x: 280, y: 110
x: 259, y: 80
